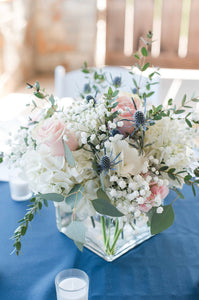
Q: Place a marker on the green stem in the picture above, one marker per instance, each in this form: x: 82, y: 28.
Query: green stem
x: 103, y: 229
x: 112, y: 250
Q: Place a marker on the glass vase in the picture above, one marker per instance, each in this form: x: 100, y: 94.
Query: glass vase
x: 104, y: 235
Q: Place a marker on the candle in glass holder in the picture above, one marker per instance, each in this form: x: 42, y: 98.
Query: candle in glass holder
x: 72, y: 284
x: 19, y: 188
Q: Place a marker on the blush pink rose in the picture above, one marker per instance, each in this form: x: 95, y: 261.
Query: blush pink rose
x: 50, y: 132
x: 126, y: 104
x: 155, y: 190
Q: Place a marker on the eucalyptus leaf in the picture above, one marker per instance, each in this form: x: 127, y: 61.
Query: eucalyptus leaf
x: 184, y: 99
x: 179, y: 111
x: 103, y: 195
x: 188, y: 122
x: 52, y: 99
x: 163, y: 168
x: 144, y: 51
x: 104, y: 207
x: 145, y: 66
x: 68, y: 155
x: 160, y: 222
x: 74, y: 195
x: 51, y: 197
x: 76, y: 232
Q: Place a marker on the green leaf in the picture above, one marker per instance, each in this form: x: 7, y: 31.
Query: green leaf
x: 135, y: 83
x: 195, y: 100
x: 114, y: 105
x: 103, y: 195
x: 115, y: 93
x: 23, y: 230
x: 164, y: 168
x: 136, y: 56
x: 1, y: 159
x: 179, y: 111
x: 145, y: 66
x: 104, y: 207
x: 170, y: 101
x: 74, y: 195
x: 52, y: 99
x: 37, y: 85
x: 149, y: 94
x: 18, y: 245
x: 45, y: 202
x: 188, y: 123
x: 196, y: 172
x: 39, y: 95
x: 172, y: 170
x: 144, y: 51
x: 194, y: 190
x: 76, y: 231
x: 160, y: 222
x: 68, y: 155
x: 184, y: 99
x: 30, y: 217
x: 110, y: 92
x: 172, y: 176
x: 51, y: 197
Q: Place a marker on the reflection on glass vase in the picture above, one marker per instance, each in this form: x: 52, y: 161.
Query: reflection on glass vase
x: 103, y: 234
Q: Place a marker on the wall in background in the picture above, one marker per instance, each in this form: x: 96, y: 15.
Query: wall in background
x: 36, y: 36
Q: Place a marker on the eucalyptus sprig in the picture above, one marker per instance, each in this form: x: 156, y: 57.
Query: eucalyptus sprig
x: 40, y: 94
x: 34, y: 207
x: 142, y: 65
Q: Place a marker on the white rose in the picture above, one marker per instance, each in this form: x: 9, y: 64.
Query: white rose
x: 132, y: 163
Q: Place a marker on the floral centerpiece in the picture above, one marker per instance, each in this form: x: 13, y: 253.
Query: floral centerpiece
x: 107, y: 160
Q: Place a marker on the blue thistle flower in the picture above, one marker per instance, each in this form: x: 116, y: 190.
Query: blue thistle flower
x: 134, y: 91
x: 117, y: 81
x: 139, y: 118
x: 106, y: 163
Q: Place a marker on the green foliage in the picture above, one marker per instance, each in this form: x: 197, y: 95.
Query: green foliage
x: 160, y: 222
x: 33, y: 208
x: 68, y: 155
x: 103, y: 205
x: 85, y: 68
x: 76, y: 231
x: 144, y: 51
x: 74, y: 195
x: 51, y: 197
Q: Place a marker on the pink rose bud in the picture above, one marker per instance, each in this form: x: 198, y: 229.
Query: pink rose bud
x: 50, y: 132
x: 126, y: 104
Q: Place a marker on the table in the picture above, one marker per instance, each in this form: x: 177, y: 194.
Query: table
x: 164, y: 267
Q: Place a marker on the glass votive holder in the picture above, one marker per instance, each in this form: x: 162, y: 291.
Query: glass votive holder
x: 72, y: 284
x: 19, y: 188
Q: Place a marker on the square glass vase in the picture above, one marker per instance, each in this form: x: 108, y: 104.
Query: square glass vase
x: 105, y: 240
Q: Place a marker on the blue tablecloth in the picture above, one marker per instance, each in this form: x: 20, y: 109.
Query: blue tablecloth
x: 164, y: 267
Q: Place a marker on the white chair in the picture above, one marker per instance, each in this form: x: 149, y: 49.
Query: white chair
x: 71, y: 84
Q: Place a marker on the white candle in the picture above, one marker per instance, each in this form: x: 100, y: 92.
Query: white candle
x: 73, y: 288
x: 72, y: 284
x: 19, y: 189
